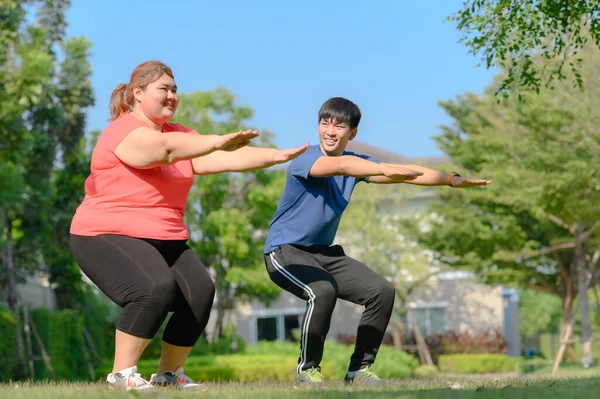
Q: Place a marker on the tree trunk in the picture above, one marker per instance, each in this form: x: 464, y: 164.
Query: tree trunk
x: 584, y: 306
x: 220, y: 309
x: 566, y: 327
x: 397, y: 330
x: 398, y: 327
x: 13, y: 298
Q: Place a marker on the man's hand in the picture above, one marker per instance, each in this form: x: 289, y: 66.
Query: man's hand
x: 233, y: 141
x: 399, y: 173
x: 283, y: 156
x: 462, y: 182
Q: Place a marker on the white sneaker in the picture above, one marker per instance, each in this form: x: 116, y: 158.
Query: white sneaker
x: 128, y: 379
x: 177, y: 379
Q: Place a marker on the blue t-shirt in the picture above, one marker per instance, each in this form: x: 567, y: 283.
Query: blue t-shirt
x: 310, y: 208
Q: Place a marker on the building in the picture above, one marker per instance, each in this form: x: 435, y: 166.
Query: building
x: 34, y: 292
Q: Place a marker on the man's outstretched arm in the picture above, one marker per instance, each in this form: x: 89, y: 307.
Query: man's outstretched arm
x: 349, y: 165
x: 431, y: 177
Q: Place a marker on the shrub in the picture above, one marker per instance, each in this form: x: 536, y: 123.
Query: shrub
x: 478, y: 363
x: 277, y: 361
x: 481, y: 341
x: 8, y: 351
x: 273, y: 347
x: 529, y: 366
x: 241, y: 367
x: 391, y: 363
x: 63, y: 339
x: 222, y: 346
x: 62, y: 335
x: 426, y: 371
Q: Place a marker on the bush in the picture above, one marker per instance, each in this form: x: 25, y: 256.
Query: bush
x: 529, y: 366
x: 426, y: 371
x: 62, y: 335
x: 390, y: 363
x: 63, y: 339
x: 273, y: 347
x: 478, y: 363
x: 8, y: 368
x: 277, y: 361
x: 100, y: 316
x: 481, y: 341
x: 222, y: 346
x: 241, y: 367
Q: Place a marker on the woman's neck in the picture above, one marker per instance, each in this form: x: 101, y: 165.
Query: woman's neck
x: 140, y: 115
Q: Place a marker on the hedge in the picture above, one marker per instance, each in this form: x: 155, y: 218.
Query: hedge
x: 240, y: 367
x: 478, y: 363
x: 426, y: 371
x: 277, y: 361
x: 62, y: 335
x: 64, y: 340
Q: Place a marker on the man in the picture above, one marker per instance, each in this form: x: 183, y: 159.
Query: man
x: 298, y: 253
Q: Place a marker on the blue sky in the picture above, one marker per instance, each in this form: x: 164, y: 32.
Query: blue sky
x: 395, y: 59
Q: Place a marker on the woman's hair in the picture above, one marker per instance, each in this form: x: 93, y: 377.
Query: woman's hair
x: 121, y: 99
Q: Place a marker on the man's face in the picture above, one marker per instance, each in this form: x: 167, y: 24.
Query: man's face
x: 334, y: 135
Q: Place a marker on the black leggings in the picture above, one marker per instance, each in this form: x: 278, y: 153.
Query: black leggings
x: 148, y: 279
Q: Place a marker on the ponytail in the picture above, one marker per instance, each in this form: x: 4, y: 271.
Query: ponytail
x: 122, y: 100
x: 119, y: 103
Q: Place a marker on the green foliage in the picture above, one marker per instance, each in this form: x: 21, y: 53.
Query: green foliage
x: 68, y: 359
x: 376, y: 216
x: 480, y: 341
x: 426, y: 371
x: 100, y: 316
x: 45, y: 88
x: 539, y: 313
x: 277, y: 361
x: 532, y: 365
x: 478, y: 364
x: 390, y: 363
x: 538, y: 219
x: 272, y: 347
x: 228, y: 213
x: 221, y: 346
x: 510, y: 34
x: 7, y: 345
x: 62, y: 335
x: 243, y: 368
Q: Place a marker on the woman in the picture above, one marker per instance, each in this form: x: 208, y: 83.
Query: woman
x: 129, y: 236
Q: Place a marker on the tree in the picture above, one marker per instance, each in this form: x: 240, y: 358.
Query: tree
x: 537, y: 224
x: 41, y: 97
x: 74, y: 94
x: 508, y: 34
x: 228, y: 214
x: 539, y: 313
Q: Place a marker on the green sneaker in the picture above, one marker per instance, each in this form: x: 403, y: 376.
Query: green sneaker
x: 364, y: 376
x: 310, y: 376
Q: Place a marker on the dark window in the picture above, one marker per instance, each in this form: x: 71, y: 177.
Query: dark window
x: 267, y: 328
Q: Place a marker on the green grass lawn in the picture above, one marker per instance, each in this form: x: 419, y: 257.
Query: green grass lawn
x: 569, y: 370
x: 438, y: 388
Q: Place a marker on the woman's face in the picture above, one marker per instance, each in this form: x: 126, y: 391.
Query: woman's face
x: 159, y: 100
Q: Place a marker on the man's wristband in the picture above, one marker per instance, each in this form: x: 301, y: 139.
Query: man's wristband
x: 449, y: 178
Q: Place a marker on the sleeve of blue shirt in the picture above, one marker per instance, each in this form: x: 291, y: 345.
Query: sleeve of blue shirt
x: 300, y: 167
